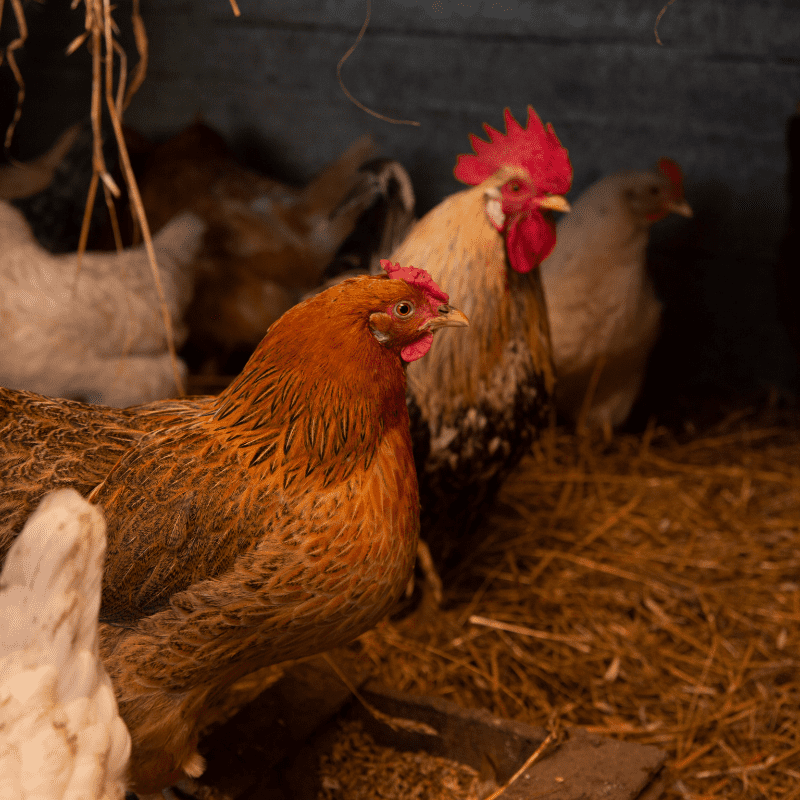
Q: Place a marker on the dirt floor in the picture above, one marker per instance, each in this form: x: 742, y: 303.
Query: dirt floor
x: 648, y: 590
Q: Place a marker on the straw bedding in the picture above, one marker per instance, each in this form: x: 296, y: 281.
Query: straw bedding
x: 647, y: 589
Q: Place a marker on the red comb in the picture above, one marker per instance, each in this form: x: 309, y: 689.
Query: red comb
x: 414, y: 276
x: 667, y: 167
x: 534, y: 147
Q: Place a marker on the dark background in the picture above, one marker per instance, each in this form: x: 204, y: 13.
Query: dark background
x: 715, y: 97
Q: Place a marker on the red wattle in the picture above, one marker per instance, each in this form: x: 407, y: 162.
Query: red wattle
x: 412, y: 352
x: 530, y: 238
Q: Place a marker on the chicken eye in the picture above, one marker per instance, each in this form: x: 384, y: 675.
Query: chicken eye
x: 404, y: 309
x: 514, y: 186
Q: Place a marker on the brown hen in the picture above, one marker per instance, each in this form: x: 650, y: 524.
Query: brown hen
x: 274, y: 521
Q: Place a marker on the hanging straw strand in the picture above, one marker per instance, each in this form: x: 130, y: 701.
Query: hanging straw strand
x: 344, y: 88
x: 12, y: 63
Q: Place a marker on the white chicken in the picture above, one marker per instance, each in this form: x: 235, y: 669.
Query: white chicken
x: 603, y: 312
x: 61, y: 736
x: 94, y: 334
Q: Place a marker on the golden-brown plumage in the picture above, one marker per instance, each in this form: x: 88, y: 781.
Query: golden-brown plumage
x: 275, y: 521
x: 481, y: 398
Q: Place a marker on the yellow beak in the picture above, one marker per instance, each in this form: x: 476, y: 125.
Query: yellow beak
x: 555, y: 202
x: 449, y: 317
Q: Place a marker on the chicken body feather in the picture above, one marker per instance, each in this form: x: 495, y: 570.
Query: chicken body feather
x: 95, y: 333
x: 479, y: 398
x: 600, y: 298
x: 272, y: 522
x: 61, y: 737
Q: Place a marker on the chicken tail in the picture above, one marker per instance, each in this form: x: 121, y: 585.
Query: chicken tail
x: 394, y: 213
x: 383, y: 226
x: 23, y: 180
x: 340, y: 185
x: 332, y: 204
x: 177, y: 246
x: 180, y: 239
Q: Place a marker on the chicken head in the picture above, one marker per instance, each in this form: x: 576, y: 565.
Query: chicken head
x: 408, y: 325
x: 651, y: 196
x: 527, y: 171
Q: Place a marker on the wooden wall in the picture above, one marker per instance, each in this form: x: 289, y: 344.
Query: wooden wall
x: 715, y: 96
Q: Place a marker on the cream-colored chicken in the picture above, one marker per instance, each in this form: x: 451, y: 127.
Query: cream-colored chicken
x: 61, y: 737
x: 97, y: 333
x: 603, y: 312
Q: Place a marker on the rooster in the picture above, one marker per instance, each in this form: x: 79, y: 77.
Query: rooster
x: 604, y: 314
x: 478, y: 401
x: 61, y: 736
x: 276, y: 520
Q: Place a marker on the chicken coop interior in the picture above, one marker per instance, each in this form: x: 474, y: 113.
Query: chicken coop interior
x: 601, y: 198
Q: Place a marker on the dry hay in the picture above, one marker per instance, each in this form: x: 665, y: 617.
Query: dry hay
x: 648, y: 590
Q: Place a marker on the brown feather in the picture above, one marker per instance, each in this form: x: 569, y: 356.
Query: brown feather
x: 275, y: 521
x: 481, y: 395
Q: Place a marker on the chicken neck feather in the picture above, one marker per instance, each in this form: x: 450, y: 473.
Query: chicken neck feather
x: 463, y: 252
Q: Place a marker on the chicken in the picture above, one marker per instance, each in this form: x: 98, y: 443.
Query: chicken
x: 479, y: 400
x: 603, y: 311
x: 267, y: 243
x: 274, y: 521
x: 61, y: 737
x: 96, y: 334
x: 190, y: 171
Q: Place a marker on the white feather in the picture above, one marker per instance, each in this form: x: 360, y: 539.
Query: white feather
x: 96, y: 333
x: 61, y: 737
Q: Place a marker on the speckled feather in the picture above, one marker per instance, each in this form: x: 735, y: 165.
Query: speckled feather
x: 482, y: 395
x: 273, y: 522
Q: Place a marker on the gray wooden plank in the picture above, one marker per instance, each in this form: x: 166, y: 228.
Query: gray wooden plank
x: 748, y: 28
